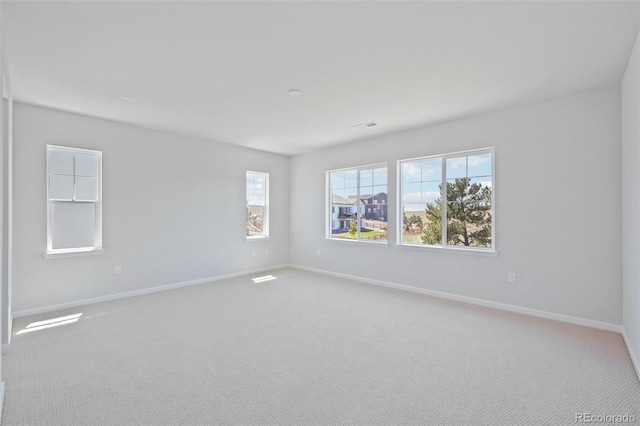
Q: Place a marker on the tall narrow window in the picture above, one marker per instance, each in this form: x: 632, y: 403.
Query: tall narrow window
x: 257, y: 205
x: 358, y: 203
x: 447, y: 200
x: 74, y: 205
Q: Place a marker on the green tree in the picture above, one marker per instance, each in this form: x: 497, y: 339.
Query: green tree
x: 413, y: 220
x: 468, y: 215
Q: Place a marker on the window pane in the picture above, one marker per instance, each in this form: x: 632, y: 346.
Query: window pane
x: 412, y: 223
x: 456, y: 167
x: 86, y: 165
x: 374, y: 226
x: 351, y: 179
x: 337, y: 179
x: 432, y: 169
x: 430, y: 192
x: 411, y: 172
x: 86, y: 189
x: 73, y: 225
x: 457, y: 189
x: 366, y: 177
x: 343, y: 218
x: 432, y: 225
x: 60, y: 187
x: 469, y: 224
x: 255, y: 197
x: 339, y: 193
x: 380, y: 189
x: 380, y: 176
x: 60, y: 162
x: 366, y: 194
x: 412, y: 193
x: 479, y: 165
x: 255, y: 221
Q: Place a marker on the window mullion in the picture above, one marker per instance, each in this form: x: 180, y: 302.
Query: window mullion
x: 358, y: 205
x: 443, y: 200
x: 74, y: 177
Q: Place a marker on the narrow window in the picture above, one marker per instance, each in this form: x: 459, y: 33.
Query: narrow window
x: 350, y: 191
x: 257, y: 204
x: 74, y: 201
x: 447, y: 200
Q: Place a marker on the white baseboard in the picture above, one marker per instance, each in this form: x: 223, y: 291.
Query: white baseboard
x: 474, y: 301
x: 76, y: 303
x: 634, y: 359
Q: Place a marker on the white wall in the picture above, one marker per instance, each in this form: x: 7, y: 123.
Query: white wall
x: 3, y: 319
x: 631, y: 203
x: 173, y: 210
x: 5, y: 228
x: 558, y: 204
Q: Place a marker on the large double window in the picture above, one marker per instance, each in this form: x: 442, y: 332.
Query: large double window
x: 447, y: 200
x: 358, y: 203
x: 74, y: 200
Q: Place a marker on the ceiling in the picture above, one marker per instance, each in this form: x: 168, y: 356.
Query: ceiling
x: 222, y: 70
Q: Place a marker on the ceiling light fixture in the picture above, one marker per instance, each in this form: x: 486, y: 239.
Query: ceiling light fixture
x: 126, y: 98
x: 295, y: 92
x: 365, y: 125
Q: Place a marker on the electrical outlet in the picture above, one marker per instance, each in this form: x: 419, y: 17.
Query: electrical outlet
x: 511, y: 277
x: 119, y: 269
x: 266, y: 251
x: 253, y: 253
x: 318, y: 252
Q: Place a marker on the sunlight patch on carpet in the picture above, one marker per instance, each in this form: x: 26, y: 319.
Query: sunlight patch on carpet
x: 54, y: 322
x: 263, y: 278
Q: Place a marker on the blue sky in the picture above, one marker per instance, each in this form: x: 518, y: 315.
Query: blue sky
x: 421, y: 179
x: 255, y: 188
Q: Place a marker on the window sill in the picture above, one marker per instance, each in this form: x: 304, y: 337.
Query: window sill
x: 470, y: 251
x: 257, y: 238
x: 349, y: 241
x: 59, y: 255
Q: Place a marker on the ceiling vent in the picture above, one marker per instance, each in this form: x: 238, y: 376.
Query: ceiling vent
x: 365, y: 125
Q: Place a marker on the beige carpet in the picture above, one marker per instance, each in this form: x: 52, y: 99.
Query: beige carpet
x: 306, y: 349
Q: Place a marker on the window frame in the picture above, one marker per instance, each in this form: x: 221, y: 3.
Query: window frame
x: 265, y: 208
x: 443, y: 203
x: 97, y: 246
x: 329, y: 208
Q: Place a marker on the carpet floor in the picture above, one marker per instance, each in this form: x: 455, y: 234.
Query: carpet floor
x: 307, y: 349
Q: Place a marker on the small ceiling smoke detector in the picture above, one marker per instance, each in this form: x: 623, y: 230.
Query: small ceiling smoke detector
x: 365, y: 125
x: 295, y: 92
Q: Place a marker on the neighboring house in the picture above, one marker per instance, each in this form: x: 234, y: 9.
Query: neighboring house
x: 375, y: 206
x: 344, y: 210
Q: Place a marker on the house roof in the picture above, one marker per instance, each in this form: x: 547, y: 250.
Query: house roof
x: 337, y: 199
x: 367, y: 196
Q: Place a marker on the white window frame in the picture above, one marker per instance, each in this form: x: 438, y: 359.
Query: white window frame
x: 265, y: 206
x: 444, y: 245
x: 329, y: 204
x: 97, y: 241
